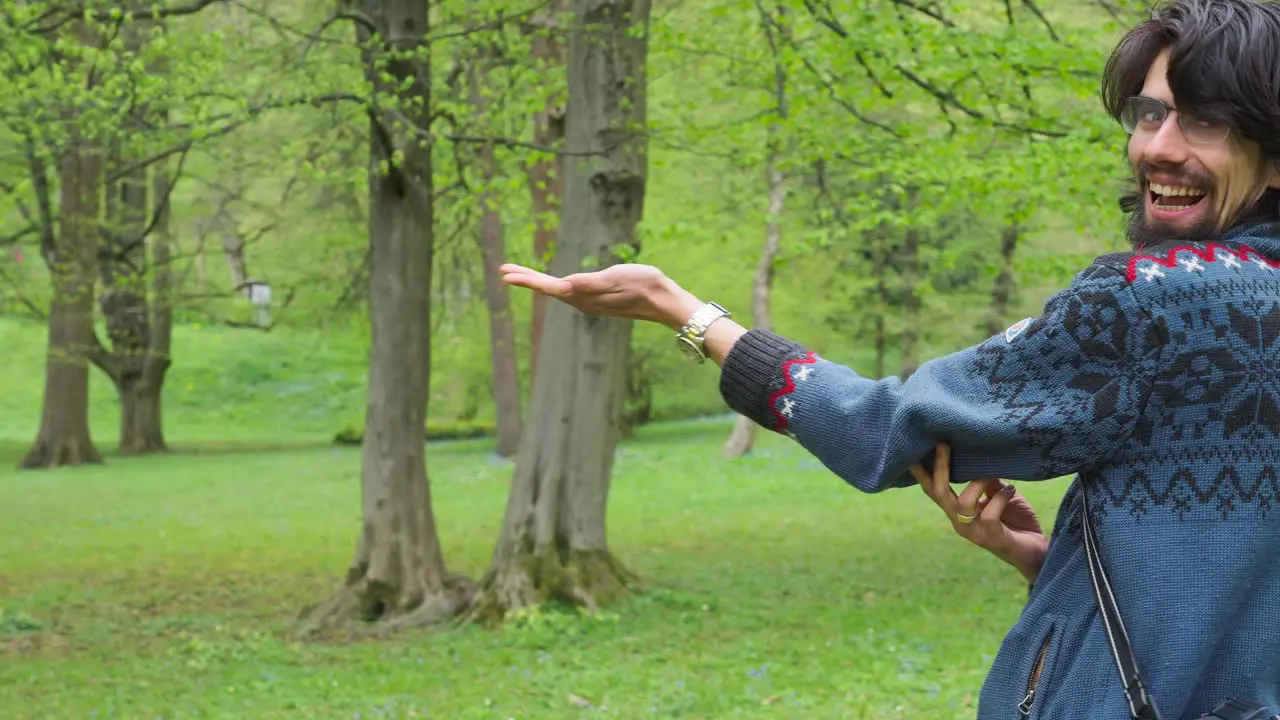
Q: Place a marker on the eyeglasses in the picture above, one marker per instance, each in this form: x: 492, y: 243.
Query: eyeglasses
x: 1147, y: 115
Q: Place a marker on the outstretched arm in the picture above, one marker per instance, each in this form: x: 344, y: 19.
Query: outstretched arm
x: 1054, y: 395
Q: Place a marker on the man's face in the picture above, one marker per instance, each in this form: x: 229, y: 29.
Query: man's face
x: 1192, y: 189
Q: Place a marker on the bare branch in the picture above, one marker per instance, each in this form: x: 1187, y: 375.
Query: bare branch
x: 848, y: 106
x: 78, y: 10
x: 124, y: 248
x: 1048, y: 26
x: 250, y: 115
x: 523, y: 16
x: 951, y: 100
x: 927, y: 11
x: 40, y: 183
x: 14, y: 238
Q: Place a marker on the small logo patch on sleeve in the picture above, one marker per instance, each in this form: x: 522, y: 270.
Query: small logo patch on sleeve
x: 1016, y: 329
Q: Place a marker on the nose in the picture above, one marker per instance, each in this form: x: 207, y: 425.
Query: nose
x: 1167, y: 146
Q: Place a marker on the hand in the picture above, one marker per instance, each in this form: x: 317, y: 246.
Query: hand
x: 1004, y: 523
x: 638, y: 292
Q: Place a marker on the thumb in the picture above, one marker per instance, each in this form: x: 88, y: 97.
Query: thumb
x: 1000, y: 497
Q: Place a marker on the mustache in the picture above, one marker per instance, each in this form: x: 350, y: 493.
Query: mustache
x: 1181, y: 175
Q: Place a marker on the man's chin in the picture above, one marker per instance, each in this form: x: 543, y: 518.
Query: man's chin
x: 1144, y: 232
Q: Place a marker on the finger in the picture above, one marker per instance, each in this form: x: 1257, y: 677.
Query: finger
x: 942, y: 471
x: 922, y: 477
x: 968, y: 499
x: 926, y: 483
x: 999, y: 501
x: 537, y: 281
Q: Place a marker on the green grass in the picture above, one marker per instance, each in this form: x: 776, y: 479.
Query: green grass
x: 166, y: 586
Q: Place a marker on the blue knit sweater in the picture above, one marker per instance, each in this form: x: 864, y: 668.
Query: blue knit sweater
x: 1155, y: 378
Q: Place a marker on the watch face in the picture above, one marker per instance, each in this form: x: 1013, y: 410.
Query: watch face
x: 688, y: 348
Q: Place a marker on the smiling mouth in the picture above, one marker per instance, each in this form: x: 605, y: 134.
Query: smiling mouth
x: 1175, y: 198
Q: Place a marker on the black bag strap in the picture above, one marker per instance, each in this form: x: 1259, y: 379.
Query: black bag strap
x: 1141, y: 705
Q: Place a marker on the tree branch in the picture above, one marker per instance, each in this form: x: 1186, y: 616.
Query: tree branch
x: 79, y: 10
x: 250, y: 115
x: 1048, y: 26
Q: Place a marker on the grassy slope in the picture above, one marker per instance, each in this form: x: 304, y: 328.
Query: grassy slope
x: 161, y: 587
x: 226, y: 386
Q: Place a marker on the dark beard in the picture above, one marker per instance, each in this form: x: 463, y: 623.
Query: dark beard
x: 1142, y: 233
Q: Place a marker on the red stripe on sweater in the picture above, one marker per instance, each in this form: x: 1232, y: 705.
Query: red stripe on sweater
x: 1208, y: 254
x: 789, y: 387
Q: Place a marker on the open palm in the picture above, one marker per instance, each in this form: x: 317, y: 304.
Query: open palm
x: 638, y: 292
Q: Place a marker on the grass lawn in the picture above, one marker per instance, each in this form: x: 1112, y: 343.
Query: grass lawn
x: 165, y: 587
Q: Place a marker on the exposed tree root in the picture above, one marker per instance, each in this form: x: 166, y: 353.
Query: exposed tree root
x: 363, y: 608
x: 61, y: 452
x: 588, y: 579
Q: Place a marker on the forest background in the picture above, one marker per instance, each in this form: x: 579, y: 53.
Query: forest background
x: 249, y: 264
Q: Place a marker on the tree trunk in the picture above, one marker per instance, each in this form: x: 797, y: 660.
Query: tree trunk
x: 743, y: 436
x: 140, y: 422
x: 140, y: 390
x: 545, y: 175
x: 137, y: 358
x: 879, y: 341
x: 201, y: 271
x: 398, y: 577
x: 1002, y: 290
x: 502, y: 330
x: 64, y: 437
x: 553, y: 540
x: 233, y: 248
x: 909, y: 268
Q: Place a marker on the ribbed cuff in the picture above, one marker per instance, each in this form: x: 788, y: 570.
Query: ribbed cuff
x: 753, y: 370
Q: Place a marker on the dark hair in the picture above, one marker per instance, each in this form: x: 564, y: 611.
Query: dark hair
x: 1224, y: 63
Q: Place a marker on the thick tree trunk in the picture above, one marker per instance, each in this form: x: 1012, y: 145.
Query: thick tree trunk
x: 133, y: 362
x: 502, y: 329
x: 1002, y: 290
x: 546, y: 175
x: 553, y: 541
x: 398, y: 577
x: 136, y: 244
x: 140, y: 422
x: 64, y: 437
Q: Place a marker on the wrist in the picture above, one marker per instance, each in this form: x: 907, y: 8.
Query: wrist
x: 675, y: 305
x: 1029, y: 561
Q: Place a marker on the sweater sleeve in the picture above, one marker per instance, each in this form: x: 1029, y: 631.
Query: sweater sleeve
x: 1051, y: 395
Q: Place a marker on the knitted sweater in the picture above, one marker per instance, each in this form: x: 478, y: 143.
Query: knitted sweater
x: 1155, y: 378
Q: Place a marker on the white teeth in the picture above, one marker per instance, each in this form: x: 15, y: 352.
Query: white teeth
x: 1168, y: 190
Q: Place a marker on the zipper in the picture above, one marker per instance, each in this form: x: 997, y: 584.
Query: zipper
x: 1024, y: 707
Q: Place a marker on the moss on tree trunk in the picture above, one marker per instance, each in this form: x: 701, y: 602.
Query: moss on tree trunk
x: 553, y: 542
x: 398, y: 578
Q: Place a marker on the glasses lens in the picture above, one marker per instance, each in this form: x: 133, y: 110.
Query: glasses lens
x: 1201, y: 130
x: 1142, y: 114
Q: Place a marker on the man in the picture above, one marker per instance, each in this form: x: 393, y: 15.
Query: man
x: 1155, y: 376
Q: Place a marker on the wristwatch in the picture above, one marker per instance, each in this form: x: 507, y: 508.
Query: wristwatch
x: 691, y: 335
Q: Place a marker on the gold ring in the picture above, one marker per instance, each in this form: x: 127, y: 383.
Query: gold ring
x: 965, y: 519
